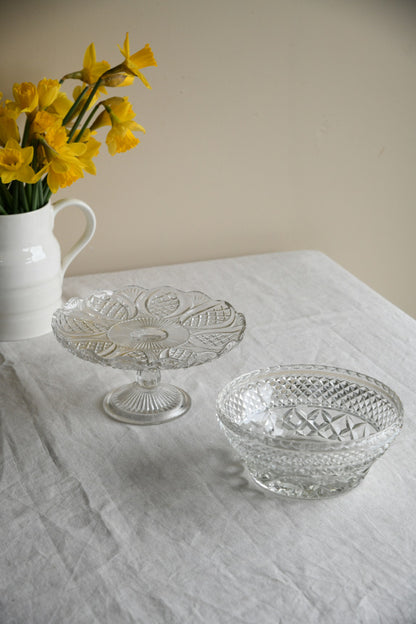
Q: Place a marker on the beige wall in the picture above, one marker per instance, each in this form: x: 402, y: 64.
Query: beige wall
x: 272, y: 125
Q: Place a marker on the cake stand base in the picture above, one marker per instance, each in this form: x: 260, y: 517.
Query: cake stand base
x: 136, y: 405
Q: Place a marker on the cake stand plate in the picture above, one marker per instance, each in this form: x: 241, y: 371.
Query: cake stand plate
x: 148, y: 330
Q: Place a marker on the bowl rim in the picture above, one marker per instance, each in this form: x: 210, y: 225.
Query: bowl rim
x: 378, y: 438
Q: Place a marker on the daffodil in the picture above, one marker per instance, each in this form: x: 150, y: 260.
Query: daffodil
x: 58, y: 144
x: 8, y: 130
x: 135, y: 62
x: 9, y: 109
x: 8, y: 126
x: 61, y: 105
x: 119, y: 114
x: 26, y: 97
x: 91, y: 70
x: 15, y: 163
x: 48, y: 91
x: 43, y: 122
x: 63, y: 173
x: 121, y: 138
x: 57, y: 137
x: 92, y: 149
x: 62, y: 161
x: 118, y: 109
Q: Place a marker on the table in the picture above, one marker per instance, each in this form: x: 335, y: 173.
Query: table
x: 103, y: 522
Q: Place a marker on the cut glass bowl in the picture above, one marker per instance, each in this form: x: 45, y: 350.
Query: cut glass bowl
x: 147, y: 331
x: 308, y: 431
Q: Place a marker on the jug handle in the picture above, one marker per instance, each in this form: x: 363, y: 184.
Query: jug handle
x: 87, y: 234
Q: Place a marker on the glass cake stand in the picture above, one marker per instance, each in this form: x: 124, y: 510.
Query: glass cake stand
x: 147, y: 330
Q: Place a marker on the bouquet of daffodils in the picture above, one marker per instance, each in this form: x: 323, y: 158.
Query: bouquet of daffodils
x: 56, y: 142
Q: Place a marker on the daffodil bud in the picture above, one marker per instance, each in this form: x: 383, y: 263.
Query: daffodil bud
x: 73, y: 76
x: 103, y: 119
x: 113, y: 80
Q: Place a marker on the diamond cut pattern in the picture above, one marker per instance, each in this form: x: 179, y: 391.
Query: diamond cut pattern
x: 328, y: 424
x: 309, y: 431
x: 348, y: 410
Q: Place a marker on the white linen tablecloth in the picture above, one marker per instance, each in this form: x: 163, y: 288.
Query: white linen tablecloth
x: 107, y: 523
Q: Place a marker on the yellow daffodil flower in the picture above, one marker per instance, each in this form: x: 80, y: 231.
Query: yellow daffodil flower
x: 54, y: 141
x: 43, y: 122
x: 92, y: 70
x: 15, y: 163
x: 60, y: 105
x: 120, y: 108
x: 26, y: 97
x: 121, y: 138
x: 119, y: 114
x: 63, y: 176
x: 117, y: 109
x: 57, y: 144
x: 9, y: 109
x: 62, y: 159
x: 47, y: 92
x: 8, y: 125
x: 134, y: 63
x: 92, y: 149
x: 8, y: 129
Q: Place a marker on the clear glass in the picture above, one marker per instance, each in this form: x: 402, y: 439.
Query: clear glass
x: 148, y: 330
x: 308, y: 431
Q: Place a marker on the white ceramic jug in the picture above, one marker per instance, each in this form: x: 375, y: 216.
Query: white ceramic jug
x: 31, y: 269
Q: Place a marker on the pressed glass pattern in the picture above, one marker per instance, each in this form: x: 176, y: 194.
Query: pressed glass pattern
x: 309, y: 431
x: 148, y: 330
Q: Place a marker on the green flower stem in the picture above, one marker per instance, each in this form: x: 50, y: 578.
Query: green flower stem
x: 35, y: 144
x: 2, y: 210
x: 35, y: 196
x: 14, y: 192
x: 26, y: 132
x: 44, y: 192
x: 23, y: 197
x: 42, y: 200
x: 47, y: 195
x: 6, y: 198
x: 85, y: 126
x: 85, y: 107
x: 29, y: 195
x: 74, y: 107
